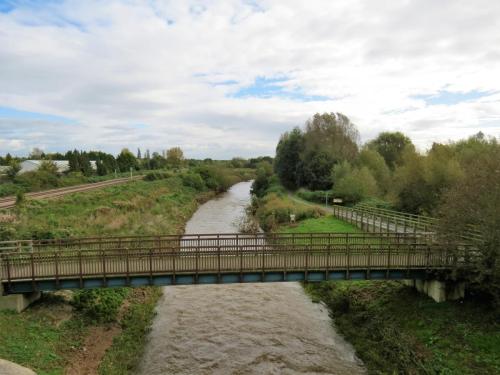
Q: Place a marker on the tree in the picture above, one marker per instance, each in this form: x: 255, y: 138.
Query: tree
x: 315, y: 167
x: 356, y: 185
x: 126, y: 160
x: 287, y: 161
x: 175, y: 157
x: 14, y: 169
x: 333, y: 134
x: 474, y: 203
x: 262, y: 179
x: 36, y: 153
x: 410, y: 189
x: 157, y: 161
x: 371, y: 159
x: 238, y: 162
x: 138, y: 153
x: 306, y: 158
x: 391, y: 146
x: 48, y: 166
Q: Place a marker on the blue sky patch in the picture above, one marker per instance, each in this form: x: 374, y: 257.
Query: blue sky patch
x: 6, y: 6
x: 450, y: 98
x: 273, y: 88
x: 15, y: 114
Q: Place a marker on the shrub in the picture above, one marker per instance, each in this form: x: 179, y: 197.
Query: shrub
x: 101, y: 305
x: 217, y: 178
x: 153, y: 176
x: 274, y: 209
x: 317, y: 196
x: 193, y: 180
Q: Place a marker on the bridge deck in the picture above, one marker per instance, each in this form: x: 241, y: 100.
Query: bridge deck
x: 163, y: 260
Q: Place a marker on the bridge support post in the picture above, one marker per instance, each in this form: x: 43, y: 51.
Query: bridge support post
x: 439, y: 291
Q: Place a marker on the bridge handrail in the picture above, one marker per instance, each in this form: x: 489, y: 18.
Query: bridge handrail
x: 173, y: 241
x: 81, y: 263
x: 406, y: 220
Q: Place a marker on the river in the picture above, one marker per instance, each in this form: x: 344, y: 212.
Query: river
x: 242, y: 328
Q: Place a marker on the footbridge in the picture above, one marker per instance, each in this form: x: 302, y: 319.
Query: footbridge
x: 47, y: 265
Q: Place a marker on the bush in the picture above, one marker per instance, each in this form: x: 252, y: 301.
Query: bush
x: 101, y: 305
x: 274, y: 209
x: 317, y: 196
x: 193, y: 180
x: 32, y: 181
x: 153, y: 176
x: 217, y: 178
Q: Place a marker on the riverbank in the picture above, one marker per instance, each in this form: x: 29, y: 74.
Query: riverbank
x: 103, y: 330
x: 394, y: 329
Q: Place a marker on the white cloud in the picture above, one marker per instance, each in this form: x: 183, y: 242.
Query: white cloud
x: 113, y: 65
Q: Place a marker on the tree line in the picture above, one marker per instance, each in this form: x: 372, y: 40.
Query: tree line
x: 458, y: 182
x: 326, y: 156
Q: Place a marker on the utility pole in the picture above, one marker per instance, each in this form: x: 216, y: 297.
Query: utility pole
x: 326, y: 199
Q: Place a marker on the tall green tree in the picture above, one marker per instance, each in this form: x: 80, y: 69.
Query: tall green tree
x: 371, y: 159
x: 287, y: 161
x: 126, y: 160
x: 474, y: 202
x: 391, y: 146
x: 175, y: 157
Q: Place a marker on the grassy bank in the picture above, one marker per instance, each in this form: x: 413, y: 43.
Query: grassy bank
x: 162, y: 205
x: 36, y: 181
x: 398, y: 331
x: 127, y: 348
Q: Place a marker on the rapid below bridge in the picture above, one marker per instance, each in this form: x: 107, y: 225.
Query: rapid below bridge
x: 48, y: 265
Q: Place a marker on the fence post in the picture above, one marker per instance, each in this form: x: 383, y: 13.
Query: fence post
x: 240, y: 248
x: 56, y: 257
x: 348, y: 256
x: 128, y: 266
x: 151, y: 265
x: 103, y: 254
x: 33, y: 273
x: 80, y: 267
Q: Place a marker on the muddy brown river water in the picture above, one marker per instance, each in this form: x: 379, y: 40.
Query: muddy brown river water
x: 242, y: 328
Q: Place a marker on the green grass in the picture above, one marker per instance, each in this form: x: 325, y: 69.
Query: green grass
x: 125, y: 353
x: 33, y: 339
x: 396, y: 330
x: 325, y: 224
x: 141, y: 207
x: 136, y: 208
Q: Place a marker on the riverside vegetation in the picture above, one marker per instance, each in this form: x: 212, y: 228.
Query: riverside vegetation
x: 393, y: 328
x: 396, y: 330
x: 52, y: 335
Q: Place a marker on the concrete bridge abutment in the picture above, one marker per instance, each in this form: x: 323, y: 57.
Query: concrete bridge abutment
x: 439, y: 291
x: 16, y: 302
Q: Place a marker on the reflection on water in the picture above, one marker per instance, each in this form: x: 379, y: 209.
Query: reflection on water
x: 242, y: 328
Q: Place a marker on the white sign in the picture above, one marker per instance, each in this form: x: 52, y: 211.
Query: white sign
x: 337, y: 200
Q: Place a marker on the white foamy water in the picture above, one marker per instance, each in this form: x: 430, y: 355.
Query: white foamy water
x: 242, y: 328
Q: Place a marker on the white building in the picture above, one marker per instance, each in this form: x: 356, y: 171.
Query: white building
x: 62, y: 165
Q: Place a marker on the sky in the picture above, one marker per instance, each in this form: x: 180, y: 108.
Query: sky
x: 225, y: 78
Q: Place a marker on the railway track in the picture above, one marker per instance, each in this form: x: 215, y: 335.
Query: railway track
x: 9, y: 202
